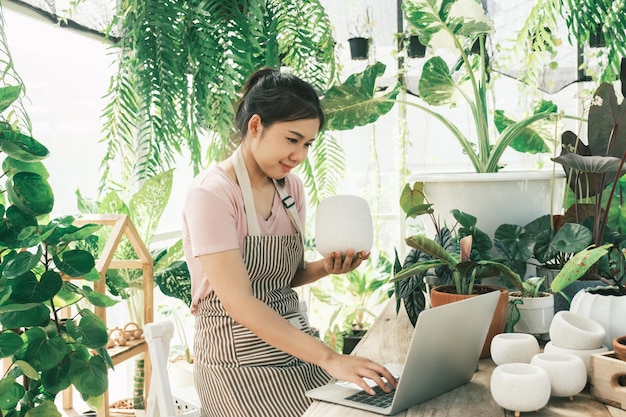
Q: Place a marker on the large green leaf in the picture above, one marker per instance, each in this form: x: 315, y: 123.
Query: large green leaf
x: 75, y: 263
x: 90, y: 332
x: 607, y: 123
x: 11, y: 166
x: 146, y: 206
x: 57, y: 379
x: 28, y: 289
x: 8, y: 94
x: 436, y: 86
x: 31, y: 315
x: 577, y: 266
x: 46, y: 409
x: 40, y: 351
x: 355, y: 102
x: 22, y: 147
x: 89, y: 377
x: 21, y: 263
x: 10, y: 394
x: 9, y: 344
x: 31, y: 193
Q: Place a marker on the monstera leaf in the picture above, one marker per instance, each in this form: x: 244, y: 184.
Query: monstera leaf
x: 355, y: 102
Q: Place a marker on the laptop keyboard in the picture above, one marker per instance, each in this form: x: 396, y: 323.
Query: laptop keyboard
x: 380, y: 399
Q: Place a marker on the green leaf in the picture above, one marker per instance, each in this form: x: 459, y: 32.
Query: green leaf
x: 9, y: 344
x: 12, y: 166
x: 431, y: 247
x: 27, y: 289
x: 31, y: 193
x: 89, y: 377
x: 577, y: 266
x: 90, y: 332
x: 20, y: 264
x: 42, y: 352
x: 354, y: 103
x: 526, y: 141
x: 10, y: 394
x: 436, y: 86
x: 22, y: 147
x: 98, y: 299
x: 57, y: 379
x: 75, y: 263
x: 46, y: 409
x: 146, y: 206
x: 27, y: 370
x: 8, y: 94
x: 31, y: 315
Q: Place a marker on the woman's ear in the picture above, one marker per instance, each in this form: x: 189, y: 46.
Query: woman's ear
x: 255, y: 126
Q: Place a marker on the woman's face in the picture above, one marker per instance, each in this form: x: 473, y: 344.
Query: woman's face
x: 280, y: 147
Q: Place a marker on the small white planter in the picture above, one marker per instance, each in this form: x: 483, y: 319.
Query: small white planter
x: 513, y: 348
x: 574, y: 331
x: 584, y: 354
x: 520, y: 387
x: 343, y: 222
x: 568, y: 374
x: 536, y: 314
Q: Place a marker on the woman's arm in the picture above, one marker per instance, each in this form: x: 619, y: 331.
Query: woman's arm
x: 229, y: 280
x: 333, y: 263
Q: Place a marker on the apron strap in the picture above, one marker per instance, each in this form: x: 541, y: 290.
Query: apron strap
x: 246, y: 190
x: 248, y: 200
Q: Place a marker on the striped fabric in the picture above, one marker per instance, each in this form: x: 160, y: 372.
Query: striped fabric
x: 239, y: 375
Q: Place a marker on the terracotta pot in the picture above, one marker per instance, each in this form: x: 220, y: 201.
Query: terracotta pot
x: 445, y: 294
x: 619, y: 346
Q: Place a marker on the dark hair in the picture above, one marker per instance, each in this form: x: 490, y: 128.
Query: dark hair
x: 277, y: 97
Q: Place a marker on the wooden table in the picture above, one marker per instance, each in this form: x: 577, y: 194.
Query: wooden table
x: 387, y: 342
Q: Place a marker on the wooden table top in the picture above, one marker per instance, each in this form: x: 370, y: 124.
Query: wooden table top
x: 387, y: 342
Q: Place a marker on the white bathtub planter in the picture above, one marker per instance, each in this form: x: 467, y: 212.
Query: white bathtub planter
x: 520, y: 387
x: 343, y: 222
x: 567, y: 372
x: 513, y: 348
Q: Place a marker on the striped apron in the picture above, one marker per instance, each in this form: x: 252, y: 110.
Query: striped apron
x: 236, y: 373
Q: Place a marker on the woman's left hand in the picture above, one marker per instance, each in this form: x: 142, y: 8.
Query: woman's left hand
x: 335, y: 263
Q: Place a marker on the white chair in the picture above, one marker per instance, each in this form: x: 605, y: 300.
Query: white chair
x: 162, y: 402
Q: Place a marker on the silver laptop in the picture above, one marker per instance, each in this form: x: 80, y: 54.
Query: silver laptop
x: 443, y: 354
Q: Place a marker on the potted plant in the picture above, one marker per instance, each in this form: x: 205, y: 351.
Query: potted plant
x: 39, y: 258
x: 453, y: 265
x: 594, y: 172
x: 360, y: 37
x: 531, y: 310
x: 354, y: 296
x: 452, y: 29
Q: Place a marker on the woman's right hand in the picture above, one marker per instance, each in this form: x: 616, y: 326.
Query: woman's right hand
x: 354, y: 368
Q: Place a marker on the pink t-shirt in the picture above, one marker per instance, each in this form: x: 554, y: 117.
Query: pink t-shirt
x: 214, y: 220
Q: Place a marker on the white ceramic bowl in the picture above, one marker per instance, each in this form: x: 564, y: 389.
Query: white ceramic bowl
x: 513, y: 347
x: 574, y: 331
x: 583, y: 354
x: 520, y: 387
x: 343, y: 222
x: 567, y: 372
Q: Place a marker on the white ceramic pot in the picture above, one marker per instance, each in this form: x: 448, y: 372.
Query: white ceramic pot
x: 343, y: 222
x: 520, y: 387
x: 574, y: 331
x: 536, y: 314
x: 583, y: 354
x: 608, y: 310
x: 567, y: 372
x: 515, y: 197
x: 513, y: 348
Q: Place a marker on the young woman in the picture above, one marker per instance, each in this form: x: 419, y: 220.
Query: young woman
x: 254, y: 353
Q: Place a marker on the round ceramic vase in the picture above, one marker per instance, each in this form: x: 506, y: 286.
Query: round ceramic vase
x: 574, y: 331
x: 608, y: 310
x: 583, y: 354
x: 343, y: 222
x: 567, y: 372
x: 513, y: 347
x: 520, y: 387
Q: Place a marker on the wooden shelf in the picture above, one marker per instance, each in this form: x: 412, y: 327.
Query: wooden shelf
x: 121, y: 226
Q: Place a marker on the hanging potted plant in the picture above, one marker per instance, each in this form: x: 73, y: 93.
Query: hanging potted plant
x: 360, y: 37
